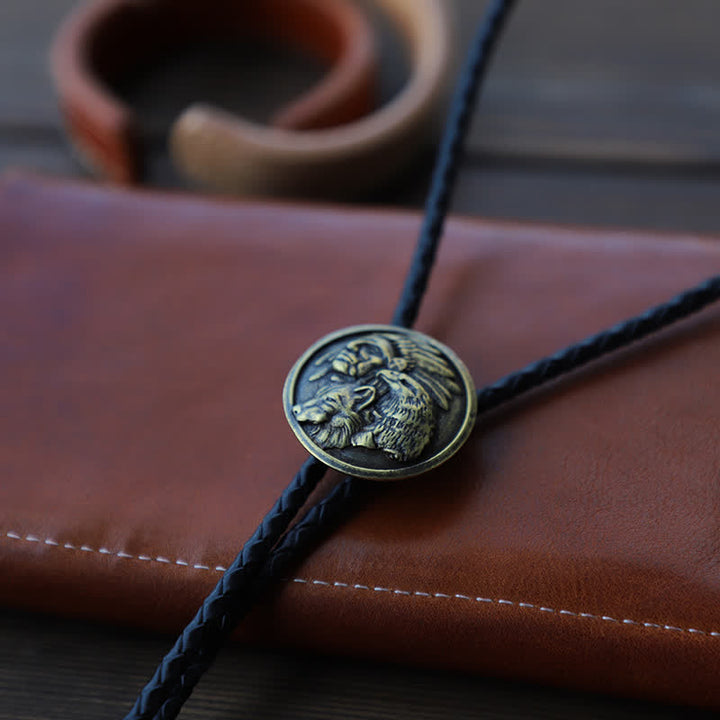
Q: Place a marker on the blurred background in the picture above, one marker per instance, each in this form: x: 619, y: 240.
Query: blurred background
x: 600, y: 112
x: 596, y: 112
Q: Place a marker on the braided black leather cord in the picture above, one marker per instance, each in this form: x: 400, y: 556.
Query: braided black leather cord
x: 595, y: 346
x: 194, y: 650
x: 447, y: 163
x: 299, y: 541
x: 227, y: 603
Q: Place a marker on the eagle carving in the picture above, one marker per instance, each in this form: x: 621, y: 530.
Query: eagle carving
x: 381, y: 391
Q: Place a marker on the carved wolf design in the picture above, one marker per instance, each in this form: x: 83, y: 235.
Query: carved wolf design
x: 362, y: 358
x: 382, y: 392
x: 335, y: 414
x: 405, y: 420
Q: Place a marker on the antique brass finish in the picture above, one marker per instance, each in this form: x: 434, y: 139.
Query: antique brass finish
x: 380, y: 401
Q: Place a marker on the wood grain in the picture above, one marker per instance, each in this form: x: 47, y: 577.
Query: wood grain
x: 590, y: 79
x: 604, y: 80
x: 66, y: 669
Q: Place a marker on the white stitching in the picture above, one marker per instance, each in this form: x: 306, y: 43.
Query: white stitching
x: 524, y: 605
x: 417, y: 593
x: 106, y: 551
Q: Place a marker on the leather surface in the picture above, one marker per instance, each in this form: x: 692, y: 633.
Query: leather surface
x: 144, y: 340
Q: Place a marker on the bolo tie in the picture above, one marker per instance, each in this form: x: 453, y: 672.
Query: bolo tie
x: 379, y: 402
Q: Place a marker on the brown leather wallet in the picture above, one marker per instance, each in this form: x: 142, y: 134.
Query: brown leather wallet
x: 574, y: 540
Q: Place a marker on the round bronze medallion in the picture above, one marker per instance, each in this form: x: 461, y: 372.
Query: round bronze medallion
x: 380, y: 401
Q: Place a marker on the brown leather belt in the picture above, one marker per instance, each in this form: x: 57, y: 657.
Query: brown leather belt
x: 347, y: 151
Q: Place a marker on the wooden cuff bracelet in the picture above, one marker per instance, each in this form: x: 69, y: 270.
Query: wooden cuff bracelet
x: 102, y: 42
x: 342, y: 151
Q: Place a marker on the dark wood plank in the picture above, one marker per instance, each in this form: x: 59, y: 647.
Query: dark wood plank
x: 77, y: 671
x: 26, y: 94
x: 624, y: 196
x: 40, y: 151
x: 588, y: 79
x: 603, y: 80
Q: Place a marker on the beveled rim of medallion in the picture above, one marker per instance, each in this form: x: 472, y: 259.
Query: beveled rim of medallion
x: 391, y: 469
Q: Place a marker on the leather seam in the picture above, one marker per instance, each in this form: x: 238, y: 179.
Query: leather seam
x: 105, y: 551
x: 30, y: 538
x: 509, y: 603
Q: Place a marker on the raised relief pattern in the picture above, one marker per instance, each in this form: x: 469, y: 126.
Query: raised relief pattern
x: 383, y: 391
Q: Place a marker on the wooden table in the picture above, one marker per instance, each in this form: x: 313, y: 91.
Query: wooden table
x: 598, y: 112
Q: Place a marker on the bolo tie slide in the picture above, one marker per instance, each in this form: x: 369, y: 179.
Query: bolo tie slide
x: 379, y: 402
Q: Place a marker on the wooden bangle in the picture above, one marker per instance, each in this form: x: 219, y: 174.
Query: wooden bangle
x: 103, y: 41
x: 224, y: 152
